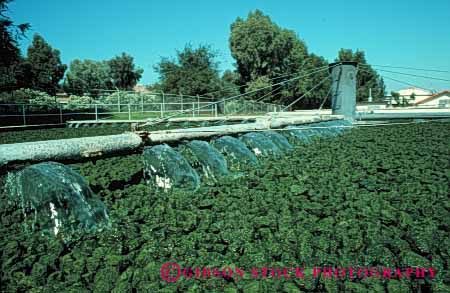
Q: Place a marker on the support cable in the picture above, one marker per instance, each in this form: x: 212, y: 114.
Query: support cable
x: 415, y: 75
x: 404, y: 67
x: 241, y: 108
x: 271, y: 79
x: 304, y: 95
x: 232, y: 97
x: 326, y: 97
x: 401, y: 81
x: 406, y: 83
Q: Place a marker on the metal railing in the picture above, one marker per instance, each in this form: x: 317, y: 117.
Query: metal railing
x: 58, y: 113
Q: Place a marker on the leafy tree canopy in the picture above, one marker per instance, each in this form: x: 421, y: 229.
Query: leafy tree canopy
x: 262, y: 48
x: 194, y: 72
x: 268, y: 54
x: 10, y: 34
x: 314, y: 88
x: 88, y: 76
x: 259, y: 88
x: 230, y: 81
x: 45, y: 66
x: 123, y: 72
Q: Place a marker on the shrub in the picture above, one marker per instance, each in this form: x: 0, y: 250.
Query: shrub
x: 131, y: 98
x: 79, y: 102
x: 41, y: 100
x: 27, y: 96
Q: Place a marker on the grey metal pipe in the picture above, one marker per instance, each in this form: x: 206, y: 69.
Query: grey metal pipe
x: 260, y: 124
x: 79, y: 148
x: 68, y: 149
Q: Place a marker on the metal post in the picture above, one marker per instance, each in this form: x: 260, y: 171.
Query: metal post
x: 215, y: 110
x: 60, y: 114
x: 23, y: 114
x: 193, y: 109
x: 96, y: 112
x: 163, y: 108
x: 142, y: 103
x: 198, y: 105
x: 343, y: 88
x: 129, y: 112
x: 370, y: 95
x: 118, y: 100
x: 181, y: 101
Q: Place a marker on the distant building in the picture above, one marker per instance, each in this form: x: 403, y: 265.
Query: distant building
x: 440, y: 100
x: 419, y: 94
x: 140, y: 88
x: 421, y: 98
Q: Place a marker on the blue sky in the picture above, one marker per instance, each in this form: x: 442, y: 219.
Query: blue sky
x: 413, y: 33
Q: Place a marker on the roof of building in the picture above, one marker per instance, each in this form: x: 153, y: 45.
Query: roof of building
x: 414, y: 89
x: 435, y: 96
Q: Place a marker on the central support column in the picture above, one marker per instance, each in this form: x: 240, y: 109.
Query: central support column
x: 343, y: 89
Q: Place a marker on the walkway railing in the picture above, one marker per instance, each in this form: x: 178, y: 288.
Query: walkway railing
x: 59, y: 113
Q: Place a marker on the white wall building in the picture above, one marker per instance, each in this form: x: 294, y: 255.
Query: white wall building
x: 439, y: 100
x: 422, y: 98
x: 420, y: 94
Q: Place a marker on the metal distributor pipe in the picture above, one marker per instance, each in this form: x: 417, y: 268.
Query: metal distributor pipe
x: 343, y: 100
x: 68, y: 149
x: 263, y: 123
x: 99, y: 146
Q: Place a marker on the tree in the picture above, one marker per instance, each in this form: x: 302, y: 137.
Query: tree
x: 230, y: 80
x: 412, y: 97
x: 262, y: 48
x: 10, y: 34
x: 316, y: 87
x: 123, y: 72
x: 194, y: 72
x: 396, y: 97
x: 266, y: 52
x: 259, y: 89
x: 154, y: 88
x: 367, y: 78
x: 45, y: 66
x: 88, y: 77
